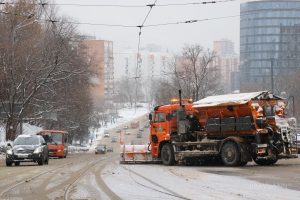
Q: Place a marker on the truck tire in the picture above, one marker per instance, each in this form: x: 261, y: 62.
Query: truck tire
x: 41, y: 161
x: 231, y: 154
x: 266, y: 162
x: 8, y: 164
x: 167, y: 154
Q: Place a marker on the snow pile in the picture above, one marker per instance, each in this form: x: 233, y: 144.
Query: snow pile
x: 29, y: 129
x: 131, y: 182
x: 226, y: 99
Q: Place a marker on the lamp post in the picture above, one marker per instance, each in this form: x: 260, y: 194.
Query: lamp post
x: 293, y: 104
x: 272, y: 75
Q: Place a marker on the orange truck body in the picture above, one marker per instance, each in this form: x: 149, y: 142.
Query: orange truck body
x: 57, y: 141
x: 250, y: 125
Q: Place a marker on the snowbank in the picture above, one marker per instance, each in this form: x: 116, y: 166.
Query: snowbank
x: 160, y: 182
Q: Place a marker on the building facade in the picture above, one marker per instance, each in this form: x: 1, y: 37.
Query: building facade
x: 100, y: 55
x: 269, y: 33
x: 227, y: 62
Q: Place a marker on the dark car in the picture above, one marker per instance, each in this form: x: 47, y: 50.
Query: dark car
x: 109, y: 149
x: 27, y: 148
x: 298, y: 142
x: 118, y: 131
x: 100, y: 149
x: 139, y: 135
x: 114, y: 139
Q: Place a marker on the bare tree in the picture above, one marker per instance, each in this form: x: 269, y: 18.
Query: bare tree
x: 38, y: 64
x: 194, y: 72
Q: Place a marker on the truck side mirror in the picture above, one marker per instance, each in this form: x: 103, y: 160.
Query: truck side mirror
x: 150, y: 117
x: 169, y: 117
x: 260, y: 122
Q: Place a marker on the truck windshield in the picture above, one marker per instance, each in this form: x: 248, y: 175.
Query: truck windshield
x: 159, y: 117
x: 56, y: 138
x: 269, y: 111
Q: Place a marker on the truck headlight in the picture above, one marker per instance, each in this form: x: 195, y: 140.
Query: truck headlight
x: 9, y: 152
x: 38, y: 150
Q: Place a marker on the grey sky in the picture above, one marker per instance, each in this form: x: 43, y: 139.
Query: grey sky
x: 171, y: 37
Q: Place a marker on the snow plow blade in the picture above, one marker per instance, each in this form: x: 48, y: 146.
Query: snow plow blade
x: 136, y: 154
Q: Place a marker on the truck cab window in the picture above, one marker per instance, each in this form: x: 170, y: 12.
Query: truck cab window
x: 269, y: 111
x: 160, y: 117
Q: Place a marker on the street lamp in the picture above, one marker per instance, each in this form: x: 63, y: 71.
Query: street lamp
x: 272, y: 75
x: 293, y: 104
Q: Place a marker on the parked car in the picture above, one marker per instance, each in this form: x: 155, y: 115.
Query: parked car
x: 118, y: 131
x: 298, y: 142
x: 100, y: 149
x: 109, y: 149
x: 106, y: 133
x: 127, y: 133
x: 139, y: 135
x: 27, y: 148
x: 114, y: 139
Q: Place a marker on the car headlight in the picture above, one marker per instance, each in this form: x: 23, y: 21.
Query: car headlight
x: 9, y: 152
x: 38, y: 150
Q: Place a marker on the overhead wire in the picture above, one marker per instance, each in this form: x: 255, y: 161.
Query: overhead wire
x: 131, y: 6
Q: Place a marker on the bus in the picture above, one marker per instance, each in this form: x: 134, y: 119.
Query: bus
x: 57, y: 141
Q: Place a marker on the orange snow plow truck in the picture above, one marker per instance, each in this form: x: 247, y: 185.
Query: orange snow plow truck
x: 234, y: 129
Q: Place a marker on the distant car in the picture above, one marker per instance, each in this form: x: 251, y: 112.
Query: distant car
x: 109, y: 149
x: 139, y: 135
x: 118, y: 131
x: 27, y: 148
x: 141, y: 129
x: 106, y: 133
x: 114, y: 139
x: 127, y: 133
x: 298, y: 142
x: 146, y: 126
x: 125, y: 127
x: 100, y: 149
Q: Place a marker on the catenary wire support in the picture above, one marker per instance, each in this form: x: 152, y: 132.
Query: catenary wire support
x: 138, y: 59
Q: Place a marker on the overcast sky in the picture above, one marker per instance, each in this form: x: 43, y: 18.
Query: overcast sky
x: 171, y: 37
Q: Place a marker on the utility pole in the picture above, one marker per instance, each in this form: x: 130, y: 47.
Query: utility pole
x: 272, y: 75
x: 293, y: 104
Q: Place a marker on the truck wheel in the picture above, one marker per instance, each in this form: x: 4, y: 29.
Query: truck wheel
x: 8, y: 164
x: 230, y: 154
x: 47, y: 160
x: 41, y: 161
x: 266, y: 162
x: 167, y: 154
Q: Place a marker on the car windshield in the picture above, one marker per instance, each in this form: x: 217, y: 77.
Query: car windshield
x: 26, y: 141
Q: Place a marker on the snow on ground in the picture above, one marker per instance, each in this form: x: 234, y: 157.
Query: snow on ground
x: 159, y: 182
x: 126, y: 115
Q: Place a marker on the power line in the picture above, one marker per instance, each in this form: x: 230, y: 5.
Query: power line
x: 191, y: 21
x: 128, y: 6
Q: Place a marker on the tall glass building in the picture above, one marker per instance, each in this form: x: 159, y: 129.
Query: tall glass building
x: 269, y: 38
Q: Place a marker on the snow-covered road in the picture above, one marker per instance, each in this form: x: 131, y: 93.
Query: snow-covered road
x: 177, y: 182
